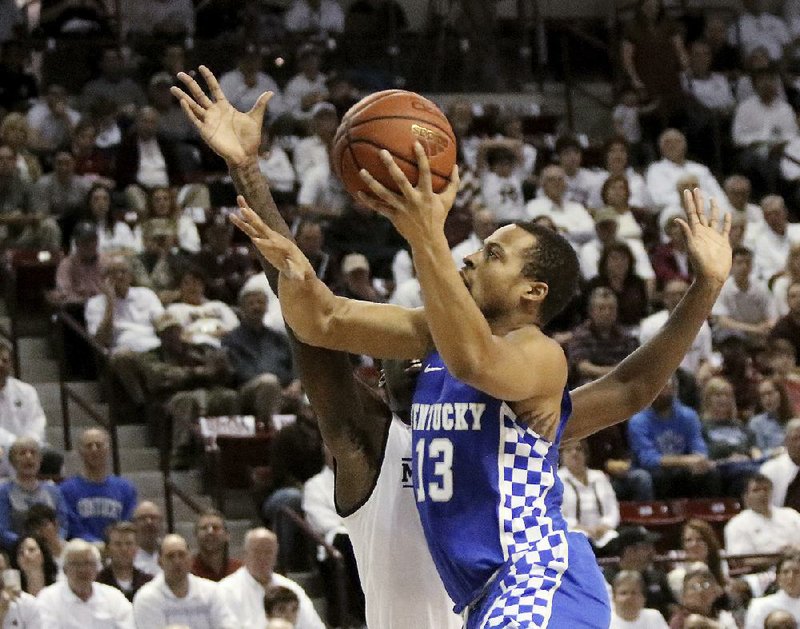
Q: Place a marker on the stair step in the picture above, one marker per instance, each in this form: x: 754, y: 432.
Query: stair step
x: 131, y: 460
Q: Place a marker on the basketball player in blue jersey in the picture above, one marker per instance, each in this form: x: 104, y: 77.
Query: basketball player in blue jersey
x: 343, y: 407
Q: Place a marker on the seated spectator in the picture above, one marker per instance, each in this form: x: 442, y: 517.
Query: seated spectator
x: 483, y: 226
x: 161, y: 263
x: 281, y: 603
x: 16, y: 133
x: 781, y: 361
x: 700, y: 351
x: 173, y: 125
x: 738, y: 190
x: 61, y: 194
x: 761, y: 527
x: 580, y: 181
x: 311, y: 241
x: 731, y: 446
x: 114, y: 236
x: 589, y: 504
x: 615, y: 195
x: 663, y: 176
x: 762, y: 126
x: 571, y: 218
x: 782, y: 470
x: 24, y: 612
x: 773, y: 412
x: 36, y: 565
x: 355, y: 281
x: 787, y: 598
x: 324, y: 18
x: 635, y: 549
x: 599, y: 343
x: 774, y: 241
x: 52, y: 121
x: 756, y: 27
x: 145, y: 160
x: 113, y: 85
x: 22, y: 415
x: 616, y: 270
x: 41, y: 523
x: 666, y: 440
x: 745, y: 307
x: 501, y: 184
x: 709, y: 89
x: 788, y: 326
x: 702, y: 595
x: 80, y: 275
x: 91, y: 161
x: 323, y: 517
x: 96, y: 499
x: 321, y: 194
x: 213, y: 539
x: 308, y: 87
x: 617, y: 166
x: 225, y: 267
x: 628, y: 600
x: 313, y: 150
x: 700, y: 544
x: 245, y: 83
x: 161, y: 204
x: 17, y: 495
x: 202, y: 321
x: 275, y: 165
x: 120, y: 572
x: 246, y: 588
x: 78, y: 602
x: 149, y: 525
x: 782, y: 281
x: 670, y: 258
x: 177, y: 597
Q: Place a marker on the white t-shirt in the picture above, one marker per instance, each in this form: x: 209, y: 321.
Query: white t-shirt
x: 760, y: 608
x: 21, y: 412
x: 24, y: 614
x: 502, y: 196
x: 648, y: 619
x: 206, y: 323
x: 107, y: 608
x: 400, y: 582
x: 570, y: 218
x: 133, y: 319
x: 749, y: 532
x: 203, y: 607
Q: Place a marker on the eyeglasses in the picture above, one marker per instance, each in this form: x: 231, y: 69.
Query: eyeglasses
x: 701, y: 586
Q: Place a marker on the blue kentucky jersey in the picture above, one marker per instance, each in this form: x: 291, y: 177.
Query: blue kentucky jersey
x: 486, y: 485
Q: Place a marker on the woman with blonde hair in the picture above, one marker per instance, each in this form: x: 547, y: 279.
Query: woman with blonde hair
x: 790, y: 274
x: 16, y: 133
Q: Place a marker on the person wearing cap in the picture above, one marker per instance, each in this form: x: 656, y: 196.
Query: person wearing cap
x: 80, y: 275
x: 247, y: 81
x: 309, y: 86
x: 634, y: 545
x: 313, y: 150
x: 356, y: 282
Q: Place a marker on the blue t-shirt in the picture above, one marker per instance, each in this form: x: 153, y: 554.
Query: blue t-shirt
x: 15, y: 502
x: 652, y: 436
x: 94, y: 506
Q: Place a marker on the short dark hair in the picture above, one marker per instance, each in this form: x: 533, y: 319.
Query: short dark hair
x: 568, y: 142
x: 740, y: 250
x: 610, y: 181
x: 551, y: 260
x: 38, y: 514
x: 617, y: 246
x: 121, y: 527
x: 278, y: 595
x: 499, y: 154
x: 758, y: 478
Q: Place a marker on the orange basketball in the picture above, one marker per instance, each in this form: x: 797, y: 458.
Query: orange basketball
x: 393, y: 120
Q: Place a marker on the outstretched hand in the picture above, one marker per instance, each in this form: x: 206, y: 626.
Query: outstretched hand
x: 234, y: 135
x: 280, y: 252
x: 709, y: 246
x: 417, y: 211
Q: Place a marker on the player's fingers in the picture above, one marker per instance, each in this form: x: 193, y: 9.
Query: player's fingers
x: 257, y: 111
x: 213, y: 84
x: 714, y: 220
x: 727, y: 221
x: 450, y: 192
x: 380, y: 191
x: 195, y: 89
x: 244, y: 226
x: 424, y: 166
x: 700, y: 204
x: 691, y: 209
x: 374, y: 204
x: 195, y: 113
x: 687, y: 231
x: 397, y: 174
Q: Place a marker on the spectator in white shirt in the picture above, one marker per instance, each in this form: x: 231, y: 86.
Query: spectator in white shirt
x: 275, y: 165
x: 710, y: 89
x: 762, y: 126
x: 483, y: 225
x: 700, y: 351
x: 738, y: 191
x: 774, y: 241
x: 501, y: 185
x: 20, y: 611
x: 745, y: 307
x: 51, y: 120
x: 244, y: 589
x: 758, y: 28
x: 245, y: 83
x: 313, y: 150
x: 580, y: 181
x: 663, y: 176
x: 616, y: 163
x: 177, y: 597
x: 787, y: 598
x: 628, y: 601
x: 570, y: 218
x: 782, y: 470
x: 308, y: 87
x: 149, y: 523
x: 79, y: 602
x: 315, y: 17
x: 761, y: 527
x: 590, y: 505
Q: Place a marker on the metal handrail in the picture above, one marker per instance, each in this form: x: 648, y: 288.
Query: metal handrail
x: 67, y: 393
x: 172, y: 489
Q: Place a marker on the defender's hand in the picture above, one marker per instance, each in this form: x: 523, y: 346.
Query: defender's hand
x: 709, y: 247
x: 234, y: 135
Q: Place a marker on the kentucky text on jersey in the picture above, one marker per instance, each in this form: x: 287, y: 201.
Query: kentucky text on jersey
x: 447, y: 416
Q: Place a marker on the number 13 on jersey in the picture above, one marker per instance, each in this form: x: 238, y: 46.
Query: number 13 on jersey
x: 439, y: 452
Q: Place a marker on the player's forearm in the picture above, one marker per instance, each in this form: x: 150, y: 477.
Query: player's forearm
x: 459, y: 330
x: 253, y: 186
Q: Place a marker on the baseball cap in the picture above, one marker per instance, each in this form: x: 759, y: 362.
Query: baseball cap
x: 353, y: 262
x: 631, y: 535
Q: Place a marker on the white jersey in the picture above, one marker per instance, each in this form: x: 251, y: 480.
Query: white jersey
x: 400, y: 582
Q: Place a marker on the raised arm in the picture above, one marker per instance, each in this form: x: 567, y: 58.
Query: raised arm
x: 635, y: 382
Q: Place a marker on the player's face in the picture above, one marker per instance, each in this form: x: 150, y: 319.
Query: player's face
x: 493, y: 274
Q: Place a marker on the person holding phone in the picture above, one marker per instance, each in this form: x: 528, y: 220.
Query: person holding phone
x: 18, y: 609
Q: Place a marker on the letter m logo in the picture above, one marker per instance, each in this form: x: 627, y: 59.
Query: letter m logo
x: 406, y: 480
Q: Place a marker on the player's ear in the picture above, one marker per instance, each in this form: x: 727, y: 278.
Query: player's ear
x: 534, y: 294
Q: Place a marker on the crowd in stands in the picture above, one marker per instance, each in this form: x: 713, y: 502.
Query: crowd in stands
x: 111, y: 179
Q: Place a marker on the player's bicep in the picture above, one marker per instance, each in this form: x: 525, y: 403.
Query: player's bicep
x: 598, y: 405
